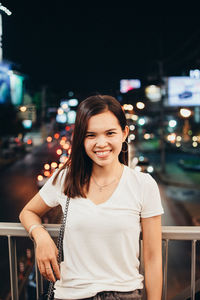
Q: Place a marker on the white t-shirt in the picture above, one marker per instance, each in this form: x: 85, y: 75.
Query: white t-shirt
x: 101, y: 242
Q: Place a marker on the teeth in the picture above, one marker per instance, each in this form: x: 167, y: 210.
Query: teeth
x: 102, y: 153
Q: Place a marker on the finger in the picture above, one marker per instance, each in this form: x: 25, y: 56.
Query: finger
x: 55, y: 267
x: 41, y: 267
x: 49, y: 273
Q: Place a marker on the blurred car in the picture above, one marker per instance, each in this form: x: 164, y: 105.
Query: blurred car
x: 142, y: 164
x: 185, y: 95
x: 28, y: 142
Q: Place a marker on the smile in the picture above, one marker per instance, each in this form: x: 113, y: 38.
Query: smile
x: 102, y: 153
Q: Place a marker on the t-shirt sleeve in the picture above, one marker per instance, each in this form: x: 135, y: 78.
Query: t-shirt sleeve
x: 50, y: 192
x: 151, y: 202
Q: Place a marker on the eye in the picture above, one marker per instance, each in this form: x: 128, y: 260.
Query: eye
x: 111, y: 133
x: 90, y: 135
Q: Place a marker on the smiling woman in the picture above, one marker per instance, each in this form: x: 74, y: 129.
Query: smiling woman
x: 109, y: 205
x: 103, y: 139
x: 93, y: 134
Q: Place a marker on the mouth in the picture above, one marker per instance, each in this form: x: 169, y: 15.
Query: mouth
x: 102, y: 154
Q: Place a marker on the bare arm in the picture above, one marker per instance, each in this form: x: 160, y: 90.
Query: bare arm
x: 46, y: 250
x: 152, y: 250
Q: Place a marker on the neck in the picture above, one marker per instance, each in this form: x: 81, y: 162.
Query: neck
x: 108, y: 172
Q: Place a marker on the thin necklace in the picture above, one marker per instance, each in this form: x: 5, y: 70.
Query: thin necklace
x: 103, y: 186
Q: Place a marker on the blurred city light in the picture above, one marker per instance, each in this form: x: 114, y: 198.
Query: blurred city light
x: 138, y: 168
x: 132, y: 127
x: 195, y: 74
x: 134, y: 117
x: 64, y: 105
x: 141, y: 121
x: 62, y: 118
x: 140, y: 105
x: 172, y: 123
x: 49, y: 139
x: 47, y: 173
x: 56, y: 135
x: 46, y: 166
x: 66, y: 146
x: 73, y: 102
x: 194, y: 144
x: 27, y: 124
x: 29, y: 141
x: 54, y: 165
x: 60, y: 111
x: 178, y: 138
x: 70, y: 94
x: 185, y: 112
x: 59, y: 151
x: 63, y: 158
x: 194, y: 138
x: 171, y: 137
x: 22, y: 108
x: 153, y: 93
x: 132, y: 137
x: 150, y: 169
x: 127, y: 85
x: 128, y: 107
x: 147, y: 136
x: 71, y: 116
x: 40, y: 177
x: 62, y: 142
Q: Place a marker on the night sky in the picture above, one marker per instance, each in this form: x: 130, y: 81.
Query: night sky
x: 80, y: 47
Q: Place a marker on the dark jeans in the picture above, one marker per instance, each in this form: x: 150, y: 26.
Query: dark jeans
x: 111, y: 295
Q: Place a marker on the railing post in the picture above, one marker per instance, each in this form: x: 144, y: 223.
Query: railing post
x: 38, y: 279
x: 13, y: 267
x: 193, y: 269
x: 165, y: 269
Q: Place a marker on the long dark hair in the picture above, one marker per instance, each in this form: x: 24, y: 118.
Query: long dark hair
x: 79, y: 165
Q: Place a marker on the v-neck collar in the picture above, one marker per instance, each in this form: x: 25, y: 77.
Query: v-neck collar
x: 114, y: 192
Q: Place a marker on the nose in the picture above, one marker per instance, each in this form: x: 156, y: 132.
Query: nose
x: 101, y: 141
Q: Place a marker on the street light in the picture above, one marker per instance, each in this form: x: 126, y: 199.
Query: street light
x: 185, y: 113
x: 8, y: 13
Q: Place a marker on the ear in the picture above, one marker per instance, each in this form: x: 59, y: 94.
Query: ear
x: 125, y: 133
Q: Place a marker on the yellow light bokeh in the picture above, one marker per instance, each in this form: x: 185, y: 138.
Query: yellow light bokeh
x: 40, y: 177
x: 46, y: 166
x: 54, y: 165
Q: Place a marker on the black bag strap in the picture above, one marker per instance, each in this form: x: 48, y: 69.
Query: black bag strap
x: 60, y: 247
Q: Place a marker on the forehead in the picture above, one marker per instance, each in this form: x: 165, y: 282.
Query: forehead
x: 103, y: 120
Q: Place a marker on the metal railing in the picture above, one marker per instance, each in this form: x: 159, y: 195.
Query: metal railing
x: 184, y: 233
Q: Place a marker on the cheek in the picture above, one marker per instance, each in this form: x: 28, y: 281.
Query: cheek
x: 87, y: 145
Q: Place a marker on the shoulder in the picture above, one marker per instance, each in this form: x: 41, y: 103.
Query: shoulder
x: 137, y: 176
x: 59, y: 175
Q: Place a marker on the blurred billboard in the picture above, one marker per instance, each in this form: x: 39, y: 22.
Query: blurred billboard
x: 4, y: 83
x: 182, y: 91
x: 127, y: 85
x: 16, y: 88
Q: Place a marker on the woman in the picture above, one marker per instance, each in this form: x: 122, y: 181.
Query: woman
x: 110, y: 203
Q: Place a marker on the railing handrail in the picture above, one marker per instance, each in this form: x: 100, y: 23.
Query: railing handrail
x: 168, y: 232
x: 190, y: 233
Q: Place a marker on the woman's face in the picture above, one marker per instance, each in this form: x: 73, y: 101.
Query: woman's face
x: 104, y: 138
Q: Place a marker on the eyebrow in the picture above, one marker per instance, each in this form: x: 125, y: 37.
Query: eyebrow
x: 105, y: 131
